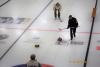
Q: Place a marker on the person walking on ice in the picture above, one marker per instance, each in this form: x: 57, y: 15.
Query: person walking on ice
x: 72, y: 24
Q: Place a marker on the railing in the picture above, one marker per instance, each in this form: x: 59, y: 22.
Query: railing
x: 89, y: 42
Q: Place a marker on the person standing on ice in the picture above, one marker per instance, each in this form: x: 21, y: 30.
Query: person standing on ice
x: 72, y: 24
x: 57, y: 8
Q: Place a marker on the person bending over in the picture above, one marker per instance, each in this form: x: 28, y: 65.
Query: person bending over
x: 33, y: 62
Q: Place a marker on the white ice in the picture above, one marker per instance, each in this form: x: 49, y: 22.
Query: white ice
x: 45, y: 31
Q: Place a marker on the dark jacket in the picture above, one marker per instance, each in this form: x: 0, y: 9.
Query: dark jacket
x: 72, y: 23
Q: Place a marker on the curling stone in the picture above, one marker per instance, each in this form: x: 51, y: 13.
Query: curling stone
x: 59, y: 39
x: 37, y: 45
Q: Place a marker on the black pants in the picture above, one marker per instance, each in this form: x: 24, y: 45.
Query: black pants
x: 72, y: 33
x: 57, y: 13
